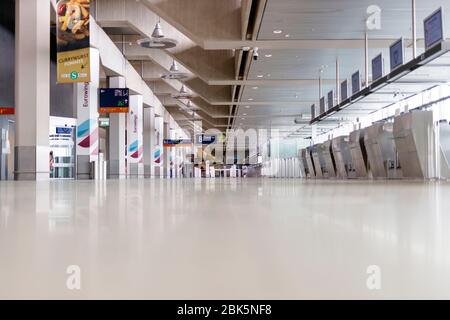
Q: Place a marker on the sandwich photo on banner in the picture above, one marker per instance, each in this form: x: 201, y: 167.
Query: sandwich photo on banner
x: 72, y: 34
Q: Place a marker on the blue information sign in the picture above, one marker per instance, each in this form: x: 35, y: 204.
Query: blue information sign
x: 356, y: 82
x: 114, y: 100
x: 396, y: 54
x: 377, y: 67
x: 433, y: 27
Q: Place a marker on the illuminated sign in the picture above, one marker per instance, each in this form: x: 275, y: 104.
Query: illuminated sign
x: 114, y: 100
x: 7, y: 111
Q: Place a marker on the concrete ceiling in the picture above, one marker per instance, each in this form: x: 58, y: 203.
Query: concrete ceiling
x: 229, y: 88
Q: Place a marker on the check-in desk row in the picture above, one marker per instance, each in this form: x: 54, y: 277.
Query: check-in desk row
x: 410, y: 147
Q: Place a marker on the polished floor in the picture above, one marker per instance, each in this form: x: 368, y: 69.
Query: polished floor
x: 224, y: 239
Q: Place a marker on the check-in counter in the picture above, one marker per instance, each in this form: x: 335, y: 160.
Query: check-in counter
x: 342, y: 156
x: 444, y: 142
x: 381, y: 151
x: 303, y: 166
x: 310, y: 163
x: 359, y: 156
x: 328, y: 168
x: 316, y: 156
x: 414, y: 139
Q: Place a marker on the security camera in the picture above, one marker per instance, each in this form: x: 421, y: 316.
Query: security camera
x: 255, y: 54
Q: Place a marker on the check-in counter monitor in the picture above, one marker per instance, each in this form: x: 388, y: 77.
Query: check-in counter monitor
x: 310, y: 163
x: 328, y: 168
x: 414, y: 139
x: 359, y: 156
x: 444, y: 142
x: 342, y: 156
x: 317, y: 161
x: 381, y: 151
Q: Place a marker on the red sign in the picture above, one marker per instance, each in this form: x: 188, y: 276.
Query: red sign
x: 113, y: 110
x: 7, y: 111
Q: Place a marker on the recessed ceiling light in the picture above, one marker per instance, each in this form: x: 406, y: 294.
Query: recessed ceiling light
x: 244, y: 114
x: 277, y: 31
x: 259, y: 76
x: 268, y: 55
x: 255, y: 88
x: 269, y: 75
x: 250, y: 99
x: 242, y: 118
x: 287, y: 35
x: 247, y: 107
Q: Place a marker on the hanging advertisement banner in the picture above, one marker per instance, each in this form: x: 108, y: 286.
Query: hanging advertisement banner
x: 73, y: 42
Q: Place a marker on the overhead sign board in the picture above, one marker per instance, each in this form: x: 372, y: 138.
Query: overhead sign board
x: 7, y: 111
x: 313, y: 111
x: 397, y: 54
x: 114, y: 100
x: 322, y: 105
x: 73, y: 41
x: 433, y: 27
x: 170, y: 143
x: 377, y: 67
x: 205, y: 139
x: 356, y: 82
x: 330, y: 99
x: 64, y: 130
x: 344, y: 90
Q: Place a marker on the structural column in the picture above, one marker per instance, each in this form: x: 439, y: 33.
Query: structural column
x: 32, y: 90
x: 166, y: 154
x: 149, y: 142
x: 135, y: 137
x: 158, y: 153
x: 86, y: 101
x: 116, y: 138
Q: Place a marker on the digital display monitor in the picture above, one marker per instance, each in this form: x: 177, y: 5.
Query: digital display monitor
x: 377, y: 67
x: 396, y: 53
x: 356, y: 82
x: 344, y: 90
x: 322, y: 105
x: 330, y: 99
x: 205, y: 139
x: 313, y: 111
x: 433, y: 27
x: 114, y: 100
x: 63, y: 130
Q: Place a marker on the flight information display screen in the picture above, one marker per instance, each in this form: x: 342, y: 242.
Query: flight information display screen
x: 356, y: 82
x: 344, y: 90
x: 396, y: 54
x: 330, y: 99
x: 433, y: 28
x: 377, y: 67
x: 114, y: 100
x: 322, y: 105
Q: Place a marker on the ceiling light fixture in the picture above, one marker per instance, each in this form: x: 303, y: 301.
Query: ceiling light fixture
x: 259, y: 76
x: 277, y: 31
x: 255, y: 88
x: 268, y: 55
x: 157, y: 32
x: 183, y: 90
x: 174, y: 67
x: 250, y: 99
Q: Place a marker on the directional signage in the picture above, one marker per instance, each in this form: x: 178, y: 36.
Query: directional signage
x: 205, y: 139
x: 344, y: 90
x: 171, y: 143
x: 114, y: 100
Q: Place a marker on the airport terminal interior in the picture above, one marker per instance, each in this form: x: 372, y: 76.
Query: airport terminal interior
x: 212, y: 149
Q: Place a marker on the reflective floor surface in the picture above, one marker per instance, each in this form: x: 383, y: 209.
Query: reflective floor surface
x: 224, y: 239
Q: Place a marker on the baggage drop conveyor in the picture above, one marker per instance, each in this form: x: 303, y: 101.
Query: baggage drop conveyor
x: 414, y: 139
x: 325, y: 152
x: 358, y: 154
x: 342, y: 156
x: 381, y: 151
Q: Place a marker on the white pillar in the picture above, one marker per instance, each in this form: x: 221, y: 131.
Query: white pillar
x: 117, y: 128
x: 149, y: 142
x: 86, y: 101
x: 166, y: 153
x: 32, y: 89
x: 135, y: 137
